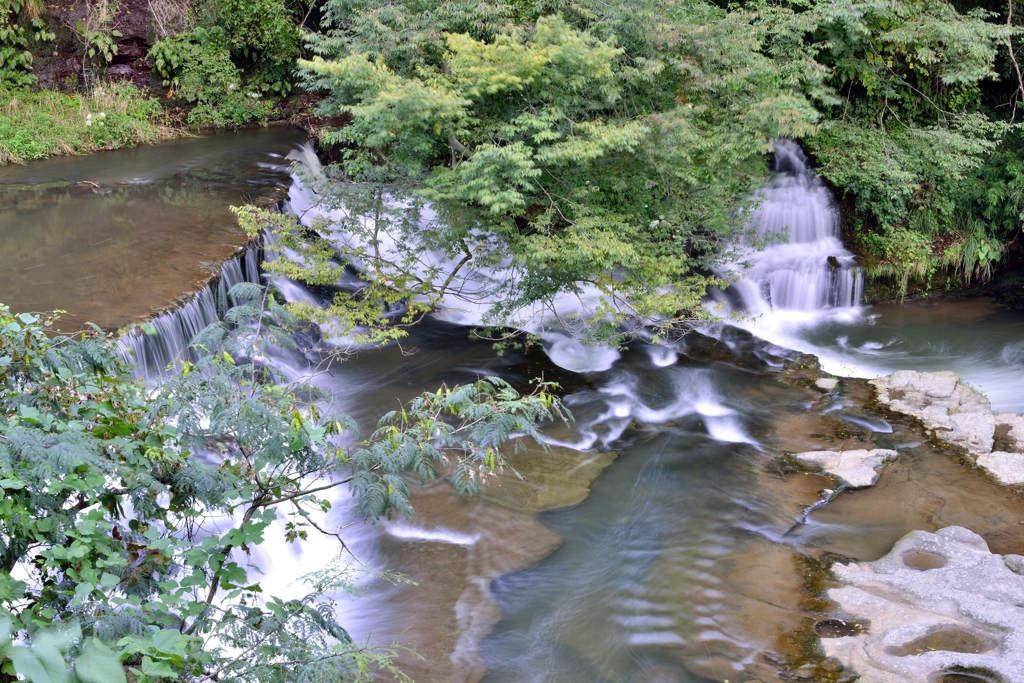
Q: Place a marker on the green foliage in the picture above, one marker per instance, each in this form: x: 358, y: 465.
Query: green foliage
x: 974, y: 256
x: 242, y: 52
x: 910, y: 177
x: 908, y: 139
x: 172, y: 54
x: 36, y: 125
x: 42, y: 660
x: 98, y: 42
x: 210, y: 80
x: 262, y: 38
x: 96, y: 33
x: 131, y: 508
x: 15, y: 57
x: 473, y: 422
x: 609, y: 145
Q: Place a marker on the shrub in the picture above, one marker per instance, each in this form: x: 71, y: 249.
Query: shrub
x: 262, y: 38
x: 241, y: 52
x: 35, y: 125
x: 211, y: 81
x: 15, y: 58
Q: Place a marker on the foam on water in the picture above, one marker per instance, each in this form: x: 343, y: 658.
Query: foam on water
x: 645, y: 571
x: 574, y: 355
x: 805, y: 268
x: 804, y: 293
x: 473, y: 289
x: 153, y: 354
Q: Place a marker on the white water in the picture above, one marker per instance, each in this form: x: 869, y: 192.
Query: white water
x: 475, y: 287
x: 654, y: 577
x: 154, y: 354
x: 789, y: 295
x: 798, y: 216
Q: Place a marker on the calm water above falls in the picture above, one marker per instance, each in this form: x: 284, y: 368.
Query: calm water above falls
x: 679, y: 567
x: 111, y: 236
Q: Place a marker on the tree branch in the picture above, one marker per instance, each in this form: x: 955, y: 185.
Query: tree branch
x: 1013, y: 58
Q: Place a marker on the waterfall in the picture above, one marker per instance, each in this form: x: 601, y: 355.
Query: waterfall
x: 152, y: 354
x: 805, y: 267
x: 474, y: 289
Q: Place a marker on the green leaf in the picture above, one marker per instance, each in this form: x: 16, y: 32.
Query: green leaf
x: 5, y: 628
x: 169, y: 641
x: 28, y: 665
x: 157, y: 669
x: 28, y: 413
x: 98, y: 664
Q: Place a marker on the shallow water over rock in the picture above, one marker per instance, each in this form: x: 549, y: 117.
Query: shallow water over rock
x: 112, y: 237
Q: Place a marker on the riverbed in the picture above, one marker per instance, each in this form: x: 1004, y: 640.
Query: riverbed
x: 662, y: 539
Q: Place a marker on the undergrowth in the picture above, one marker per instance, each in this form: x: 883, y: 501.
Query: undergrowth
x: 36, y: 125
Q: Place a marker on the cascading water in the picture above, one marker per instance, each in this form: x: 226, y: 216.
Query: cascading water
x: 474, y: 289
x: 804, y: 292
x: 805, y: 268
x: 152, y: 354
x: 654, y: 582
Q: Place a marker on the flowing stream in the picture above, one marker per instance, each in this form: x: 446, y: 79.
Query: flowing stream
x: 683, y: 563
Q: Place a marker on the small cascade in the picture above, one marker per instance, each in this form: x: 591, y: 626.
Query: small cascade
x: 230, y: 275
x: 472, y: 291
x: 152, y: 354
x: 805, y: 267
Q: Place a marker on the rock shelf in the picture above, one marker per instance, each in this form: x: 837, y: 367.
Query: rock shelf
x: 857, y: 468
x: 938, y: 604
x: 957, y: 414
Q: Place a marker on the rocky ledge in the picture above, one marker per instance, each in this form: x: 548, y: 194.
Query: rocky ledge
x: 855, y: 469
x: 938, y: 607
x: 959, y: 415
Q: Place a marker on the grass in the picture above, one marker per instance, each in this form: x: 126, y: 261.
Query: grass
x: 36, y: 125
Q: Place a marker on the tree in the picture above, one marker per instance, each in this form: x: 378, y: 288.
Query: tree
x: 129, y: 510
x: 908, y: 137
x: 585, y: 146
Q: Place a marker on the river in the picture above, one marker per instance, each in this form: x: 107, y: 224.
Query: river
x: 114, y: 236
x: 687, y: 559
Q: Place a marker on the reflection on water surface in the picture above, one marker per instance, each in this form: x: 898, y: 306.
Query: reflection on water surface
x: 111, y: 236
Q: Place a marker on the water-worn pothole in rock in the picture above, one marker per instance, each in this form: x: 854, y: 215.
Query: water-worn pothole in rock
x: 958, y: 677
x: 838, y: 628
x: 950, y: 640
x: 924, y: 561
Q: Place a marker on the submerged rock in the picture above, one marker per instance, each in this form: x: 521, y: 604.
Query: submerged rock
x: 959, y: 415
x: 937, y: 604
x: 856, y: 468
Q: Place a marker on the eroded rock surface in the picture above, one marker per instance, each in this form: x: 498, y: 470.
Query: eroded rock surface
x: 959, y: 415
x: 936, y: 603
x: 857, y: 468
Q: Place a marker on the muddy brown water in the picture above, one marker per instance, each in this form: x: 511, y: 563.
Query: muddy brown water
x: 112, y: 237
